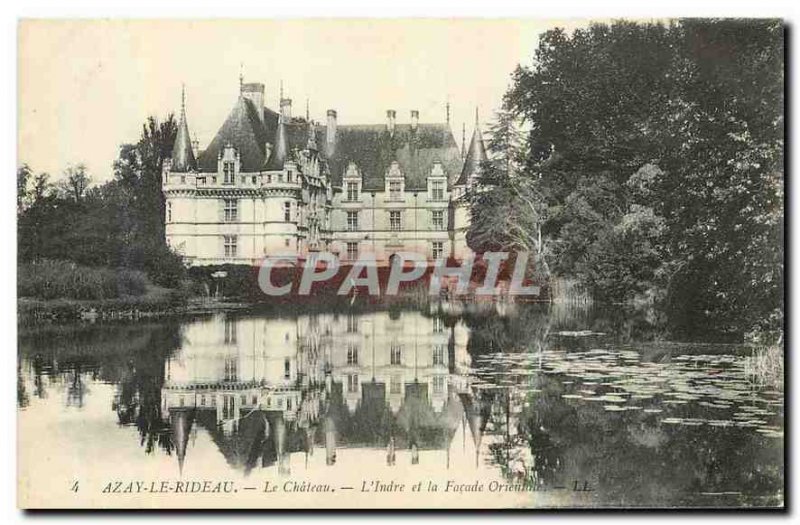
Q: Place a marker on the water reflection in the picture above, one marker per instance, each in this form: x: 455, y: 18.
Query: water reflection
x: 541, y: 398
x: 265, y: 388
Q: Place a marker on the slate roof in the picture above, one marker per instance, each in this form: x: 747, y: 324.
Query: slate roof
x: 476, y: 154
x: 280, y: 149
x: 371, y: 147
x: 182, y: 155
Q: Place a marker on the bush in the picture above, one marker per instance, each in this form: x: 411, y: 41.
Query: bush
x: 50, y: 279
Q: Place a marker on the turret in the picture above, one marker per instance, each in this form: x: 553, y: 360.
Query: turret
x: 280, y: 150
x: 182, y: 154
x: 476, y: 154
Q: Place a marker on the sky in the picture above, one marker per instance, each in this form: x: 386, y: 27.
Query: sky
x: 86, y: 86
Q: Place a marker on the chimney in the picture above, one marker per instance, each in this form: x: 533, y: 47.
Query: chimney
x: 414, y: 119
x: 255, y: 93
x: 391, y: 116
x: 286, y: 109
x: 330, y: 130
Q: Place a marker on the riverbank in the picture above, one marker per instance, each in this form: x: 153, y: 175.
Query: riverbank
x: 150, y: 306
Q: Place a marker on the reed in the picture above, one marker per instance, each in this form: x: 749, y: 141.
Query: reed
x: 764, y: 366
x: 49, y: 279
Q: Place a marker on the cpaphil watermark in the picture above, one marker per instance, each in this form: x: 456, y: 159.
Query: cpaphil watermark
x: 366, y: 275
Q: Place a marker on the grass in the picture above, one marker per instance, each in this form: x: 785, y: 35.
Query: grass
x: 765, y: 366
x: 49, y: 279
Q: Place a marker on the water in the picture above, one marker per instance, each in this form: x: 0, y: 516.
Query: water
x: 529, y: 407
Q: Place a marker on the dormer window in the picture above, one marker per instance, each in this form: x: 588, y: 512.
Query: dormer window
x: 395, y: 190
x: 437, y: 190
x: 289, y: 176
x: 394, y: 182
x: 352, y: 191
x: 229, y: 172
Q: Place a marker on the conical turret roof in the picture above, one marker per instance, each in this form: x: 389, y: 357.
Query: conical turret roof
x: 281, y: 150
x: 476, y: 154
x: 181, y: 425
x: 182, y: 155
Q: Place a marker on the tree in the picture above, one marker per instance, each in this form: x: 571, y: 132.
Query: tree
x: 76, y: 182
x: 41, y: 186
x: 697, y: 105
x: 506, y: 207
x: 24, y: 174
x: 116, y: 224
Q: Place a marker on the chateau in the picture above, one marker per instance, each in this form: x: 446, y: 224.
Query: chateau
x: 270, y: 183
x: 270, y: 389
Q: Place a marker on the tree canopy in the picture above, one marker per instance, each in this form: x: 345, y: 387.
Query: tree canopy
x: 657, y: 153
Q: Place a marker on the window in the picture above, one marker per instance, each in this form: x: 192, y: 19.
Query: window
x: 229, y: 172
x: 438, y: 325
x: 287, y: 211
x: 394, y: 221
x: 352, y: 191
x: 352, y: 251
x: 169, y: 212
x: 287, y: 368
x: 255, y: 179
x: 286, y: 242
x: 352, y: 383
x: 230, y: 332
x: 289, y: 176
x: 437, y: 249
x: 183, y: 179
x: 352, y: 221
x: 227, y: 407
x: 394, y: 385
x: 230, y: 245
x: 231, y: 372
x: 439, y: 383
x: 396, y: 354
x: 438, y: 220
x: 231, y: 210
x: 352, y: 355
x: 437, y: 190
x: 395, y: 190
x: 438, y: 355
x: 243, y: 179
x: 352, y: 323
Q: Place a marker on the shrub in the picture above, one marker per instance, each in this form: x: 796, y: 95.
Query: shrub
x: 50, y: 279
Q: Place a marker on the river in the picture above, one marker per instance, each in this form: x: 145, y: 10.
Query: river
x: 524, y: 406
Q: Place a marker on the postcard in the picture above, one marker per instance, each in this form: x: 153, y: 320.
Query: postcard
x: 401, y: 264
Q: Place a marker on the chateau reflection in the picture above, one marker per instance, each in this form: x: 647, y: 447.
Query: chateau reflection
x: 268, y: 388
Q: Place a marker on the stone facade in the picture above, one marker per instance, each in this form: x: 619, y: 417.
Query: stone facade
x: 270, y: 184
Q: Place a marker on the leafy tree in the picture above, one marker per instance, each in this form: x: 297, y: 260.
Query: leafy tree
x: 24, y: 174
x: 76, y: 182
x: 506, y: 206
x: 659, y: 154
x: 117, y: 224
